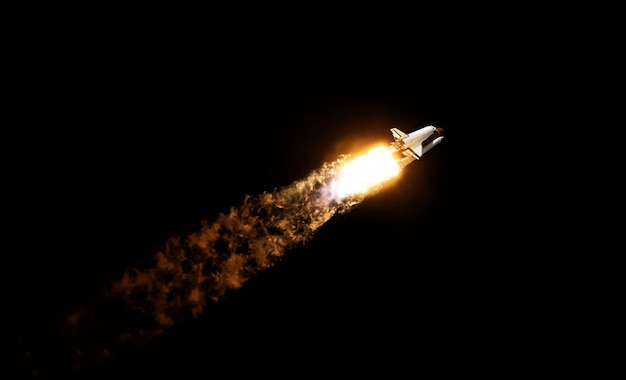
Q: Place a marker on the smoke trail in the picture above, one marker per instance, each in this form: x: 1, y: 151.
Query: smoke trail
x: 224, y: 254
x: 202, y: 266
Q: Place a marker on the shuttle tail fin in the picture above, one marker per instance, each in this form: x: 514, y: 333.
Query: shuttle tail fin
x: 398, y: 134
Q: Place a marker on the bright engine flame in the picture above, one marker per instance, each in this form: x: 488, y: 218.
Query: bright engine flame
x: 366, y: 171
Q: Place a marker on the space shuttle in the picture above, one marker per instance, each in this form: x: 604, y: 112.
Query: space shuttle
x: 412, y: 146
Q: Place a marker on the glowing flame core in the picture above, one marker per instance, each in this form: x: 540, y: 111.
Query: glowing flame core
x: 366, y: 171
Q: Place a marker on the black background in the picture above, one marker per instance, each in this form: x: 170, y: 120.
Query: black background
x: 125, y: 139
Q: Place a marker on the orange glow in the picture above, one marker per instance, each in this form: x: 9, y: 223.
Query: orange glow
x: 366, y: 171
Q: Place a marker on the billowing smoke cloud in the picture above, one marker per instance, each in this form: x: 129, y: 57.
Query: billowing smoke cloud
x: 200, y: 267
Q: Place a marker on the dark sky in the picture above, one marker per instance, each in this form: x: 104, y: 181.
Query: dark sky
x: 129, y: 145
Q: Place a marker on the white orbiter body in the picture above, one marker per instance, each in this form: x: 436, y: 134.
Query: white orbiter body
x: 415, y: 144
